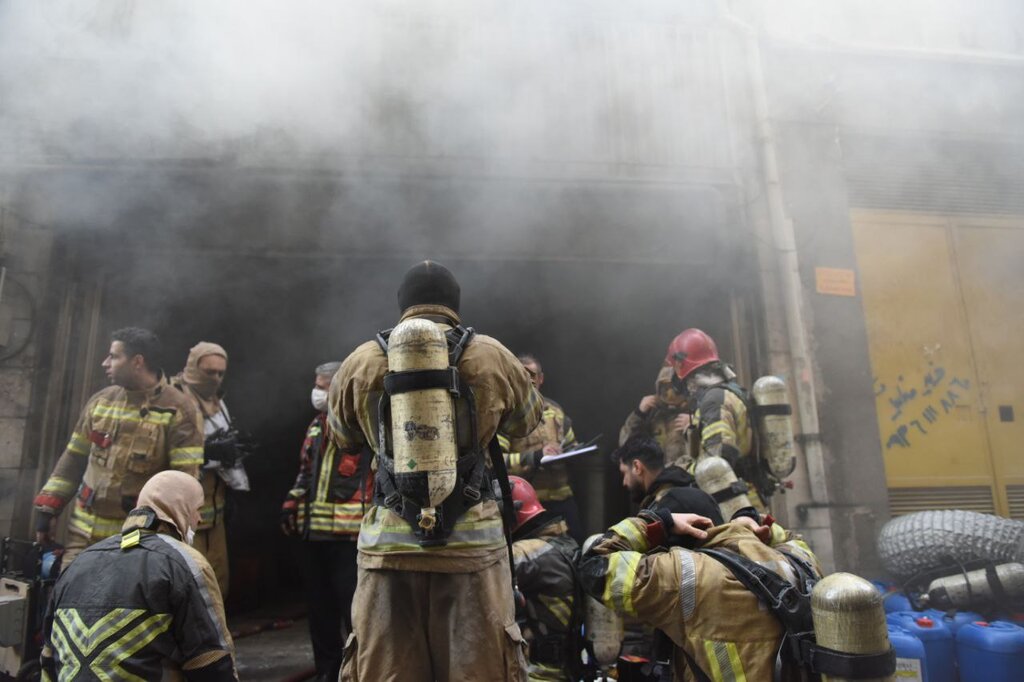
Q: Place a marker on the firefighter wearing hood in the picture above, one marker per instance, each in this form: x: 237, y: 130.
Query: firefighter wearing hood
x: 201, y: 381
x: 662, y: 416
x: 127, y: 432
x: 434, y: 598
x: 142, y: 604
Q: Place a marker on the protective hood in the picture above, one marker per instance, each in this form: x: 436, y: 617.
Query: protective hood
x: 665, y: 390
x: 205, y: 387
x: 175, y: 497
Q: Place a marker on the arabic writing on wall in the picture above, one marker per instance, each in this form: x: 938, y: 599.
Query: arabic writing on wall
x: 914, y: 408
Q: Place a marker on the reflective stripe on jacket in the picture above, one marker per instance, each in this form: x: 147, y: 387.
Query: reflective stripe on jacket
x: 693, y: 598
x: 132, y: 604
x: 121, y: 439
x: 335, y: 508
x: 551, y: 481
x: 506, y: 402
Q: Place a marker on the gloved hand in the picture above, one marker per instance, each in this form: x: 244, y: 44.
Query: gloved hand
x: 45, y: 524
x: 290, y: 517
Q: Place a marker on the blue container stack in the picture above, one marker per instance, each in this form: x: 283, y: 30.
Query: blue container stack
x: 991, y: 652
x: 910, y: 655
x: 940, y: 654
x: 954, y: 620
x: 896, y: 601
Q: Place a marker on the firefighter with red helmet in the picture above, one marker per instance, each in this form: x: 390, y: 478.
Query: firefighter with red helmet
x: 543, y: 555
x: 722, y: 419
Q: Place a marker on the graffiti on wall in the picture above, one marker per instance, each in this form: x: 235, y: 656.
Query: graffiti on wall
x: 915, y: 406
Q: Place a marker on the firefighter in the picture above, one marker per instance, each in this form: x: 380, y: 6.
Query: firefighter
x: 715, y: 624
x: 543, y: 554
x: 434, y: 598
x: 651, y: 483
x: 127, y: 432
x: 325, y: 507
x: 721, y: 416
x: 201, y: 381
x: 553, y: 435
x: 143, y: 604
x: 662, y: 416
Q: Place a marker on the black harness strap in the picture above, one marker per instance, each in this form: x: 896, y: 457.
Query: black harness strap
x: 396, y: 383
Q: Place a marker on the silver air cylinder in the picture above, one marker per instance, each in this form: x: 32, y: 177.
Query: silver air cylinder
x: 714, y: 475
x: 775, y: 425
x: 848, y: 617
x: 974, y: 589
x: 423, y: 434
x: 604, y: 628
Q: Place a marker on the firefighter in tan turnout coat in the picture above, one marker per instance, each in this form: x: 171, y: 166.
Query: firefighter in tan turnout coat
x: 126, y: 433
x: 427, y: 610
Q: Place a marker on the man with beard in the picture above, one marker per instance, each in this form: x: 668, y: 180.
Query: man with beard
x: 201, y: 381
x: 652, y: 484
x: 127, y: 432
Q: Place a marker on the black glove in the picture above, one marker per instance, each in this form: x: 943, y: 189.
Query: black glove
x: 531, y: 459
x: 43, y: 520
x: 748, y: 512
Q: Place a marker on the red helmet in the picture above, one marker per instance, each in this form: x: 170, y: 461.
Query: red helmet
x: 524, y: 497
x: 691, y: 350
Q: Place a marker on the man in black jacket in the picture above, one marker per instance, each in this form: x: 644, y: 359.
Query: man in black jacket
x: 142, y: 603
x: 652, y: 484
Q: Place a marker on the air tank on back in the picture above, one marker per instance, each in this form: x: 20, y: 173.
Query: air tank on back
x: 715, y: 476
x: 848, y: 617
x: 422, y: 421
x: 775, y: 425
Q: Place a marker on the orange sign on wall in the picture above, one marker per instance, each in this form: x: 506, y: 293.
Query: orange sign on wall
x: 835, y: 281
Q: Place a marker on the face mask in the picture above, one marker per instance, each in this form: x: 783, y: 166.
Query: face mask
x: 190, y: 537
x: 319, y: 399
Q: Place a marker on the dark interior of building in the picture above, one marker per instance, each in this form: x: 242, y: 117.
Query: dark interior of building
x: 593, y: 286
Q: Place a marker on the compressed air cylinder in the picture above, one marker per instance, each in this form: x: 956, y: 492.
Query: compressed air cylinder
x: 775, y: 425
x: 848, y: 617
x: 423, y: 434
x: 714, y: 475
x: 603, y: 627
x: 962, y: 591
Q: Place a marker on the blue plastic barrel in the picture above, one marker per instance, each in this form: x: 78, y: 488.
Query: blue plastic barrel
x: 910, y: 655
x: 991, y: 652
x: 896, y: 601
x: 954, y: 620
x: 940, y: 654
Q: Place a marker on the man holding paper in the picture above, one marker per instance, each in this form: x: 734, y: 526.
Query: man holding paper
x: 553, y: 436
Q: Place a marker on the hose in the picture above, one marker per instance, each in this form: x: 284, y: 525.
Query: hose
x: 932, y: 540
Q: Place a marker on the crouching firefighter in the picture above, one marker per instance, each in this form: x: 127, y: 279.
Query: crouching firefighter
x: 544, y: 556
x: 742, y: 448
x: 434, y: 598
x: 739, y: 609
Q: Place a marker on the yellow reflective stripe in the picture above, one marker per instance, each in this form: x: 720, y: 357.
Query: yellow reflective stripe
x: 132, y: 539
x: 326, y: 468
x: 111, y: 658
x: 84, y: 522
x: 78, y: 444
x: 570, y: 436
x: 559, y: 608
x: 632, y: 534
x: 70, y: 664
x: 132, y: 414
x: 725, y: 661
x: 718, y: 428
x: 61, y: 487
x: 376, y: 535
x: 504, y: 442
x: 187, y: 456
x: 618, y: 587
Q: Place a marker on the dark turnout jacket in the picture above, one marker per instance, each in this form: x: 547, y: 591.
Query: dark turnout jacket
x: 135, y: 606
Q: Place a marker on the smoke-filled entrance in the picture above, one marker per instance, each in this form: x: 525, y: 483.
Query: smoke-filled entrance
x: 595, y: 283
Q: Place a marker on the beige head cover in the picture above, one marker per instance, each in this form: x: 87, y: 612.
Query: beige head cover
x: 204, y: 386
x: 665, y: 390
x: 175, y: 497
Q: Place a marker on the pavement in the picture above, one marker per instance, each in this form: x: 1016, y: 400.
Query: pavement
x: 272, y: 649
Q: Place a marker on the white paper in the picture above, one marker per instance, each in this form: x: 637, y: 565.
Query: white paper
x: 572, y: 453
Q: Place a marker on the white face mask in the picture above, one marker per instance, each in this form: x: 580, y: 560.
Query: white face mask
x: 190, y: 537
x: 319, y: 399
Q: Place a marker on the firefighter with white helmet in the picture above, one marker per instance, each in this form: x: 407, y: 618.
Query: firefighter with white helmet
x: 434, y: 598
